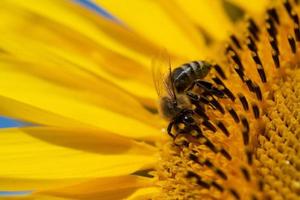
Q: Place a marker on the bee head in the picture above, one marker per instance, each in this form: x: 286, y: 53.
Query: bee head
x: 170, y: 107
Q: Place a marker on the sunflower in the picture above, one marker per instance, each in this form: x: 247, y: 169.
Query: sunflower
x: 82, y: 83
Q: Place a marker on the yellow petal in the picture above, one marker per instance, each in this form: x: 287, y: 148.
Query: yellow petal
x: 64, y: 102
x: 18, y: 184
x: 25, y: 157
x: 42, y: 197
x: 79, y: 71
x: 100, y: 30
x: 144, y: 193
x: 46, y: 40
x: 32, y: 114
x: 254, y: 6
x: 110, y: 188
x: 208, y: 15
x: 34, y: 197
x: 150, y: 19
x: 96, y: 141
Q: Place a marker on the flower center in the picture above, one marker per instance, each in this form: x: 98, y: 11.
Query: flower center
x: 244, y: 146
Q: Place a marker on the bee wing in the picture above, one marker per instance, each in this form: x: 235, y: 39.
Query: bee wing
x: 161, y: 69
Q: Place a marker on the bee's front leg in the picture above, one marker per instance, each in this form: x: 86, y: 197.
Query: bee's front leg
x: 170, y: 127
x: 199, y: 101
x: 209, y: 88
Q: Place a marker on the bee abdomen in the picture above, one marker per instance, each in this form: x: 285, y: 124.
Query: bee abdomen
x: 184, y: 75
x: 202, y: 69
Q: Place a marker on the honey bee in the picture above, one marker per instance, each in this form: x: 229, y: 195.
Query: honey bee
x: 174, y: 88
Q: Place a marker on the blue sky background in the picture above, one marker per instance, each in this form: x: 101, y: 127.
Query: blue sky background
x: 6, y: 122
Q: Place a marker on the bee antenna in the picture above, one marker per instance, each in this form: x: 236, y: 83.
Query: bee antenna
x: 172, y: 80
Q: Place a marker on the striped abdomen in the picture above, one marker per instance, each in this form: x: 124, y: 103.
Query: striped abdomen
x: 184, y: 75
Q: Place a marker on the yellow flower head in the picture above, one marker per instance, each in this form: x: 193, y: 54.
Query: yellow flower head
x: 84, y: 84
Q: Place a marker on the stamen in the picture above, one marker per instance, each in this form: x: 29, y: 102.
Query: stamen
x: 246, y: 173
x: 273, y: 13
x: 256, y: 58
x: 249, y: 83
x: 240, y: 72
x: 243, y: 101
x: 288, y: 7
x: 209, y: 164
x: 294, y: 17
x: 217, y: 186
x: 253, y: 25
x: 236, y: 59
x: 223, y: 128
x: 251, y: 44
x: 229, y: 49
x: 235, y: 194
x: 271, y: 24
x: 260, y: 184
x: 236, y: 41
x: 249, y: 156
x: 257, y: 91
x: 220, y: 71
x: 255, y: 110
x: 292, y: 43
x: 233, y: 114
x: 253, y: 29
x: 209, y: 144
x: 199, y: 181
x: 253, y: 197
x: 297, y: 32
x: 229, y: 94
x: 217, y: 105
x: 209, y: 125
x: 275, y: 57
x: 271, y: 30
x: 225, y: 90
x: 274, y: 44
x: 225, y: 154
x: 221, y: 173
x: 245, y: 130
x: 261, y: 73
x: 194, y: 158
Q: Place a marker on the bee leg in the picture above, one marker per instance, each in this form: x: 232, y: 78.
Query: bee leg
x: 182, y: 117
x: 183, y: 141
x: 197, y: 130
x: 169, y: 129
x: 186, y: 118
x: 191, y: 86
x: 190, y: 124
x: 195, y: 82
x: 209, y: 87
x: 190, y: 127
x: 196, y: 98
x: 200, y: 111
x: 200, y: 100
